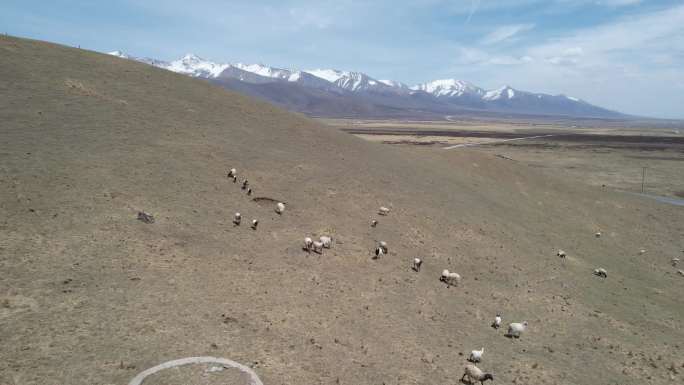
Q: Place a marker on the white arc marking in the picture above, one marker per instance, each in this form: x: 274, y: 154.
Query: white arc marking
x: 254, y: 379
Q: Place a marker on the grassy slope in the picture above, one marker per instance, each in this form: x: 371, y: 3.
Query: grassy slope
x: 88, y: 139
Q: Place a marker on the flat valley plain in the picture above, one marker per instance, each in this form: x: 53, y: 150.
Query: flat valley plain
x: 616, y: 155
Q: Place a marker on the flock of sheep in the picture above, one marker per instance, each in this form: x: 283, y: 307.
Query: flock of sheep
x: 472, y: 373
x: 237, y: 218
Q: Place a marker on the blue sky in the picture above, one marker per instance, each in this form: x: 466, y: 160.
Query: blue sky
x: 626, y: 55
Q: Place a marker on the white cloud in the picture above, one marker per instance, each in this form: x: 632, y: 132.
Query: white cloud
x: 618, y: 3
x: 471, y: 56
x: 631, y: 38
x: 309, y: 18
x: 633, y: 64
x: 505, y: 32
x: 568, y: 56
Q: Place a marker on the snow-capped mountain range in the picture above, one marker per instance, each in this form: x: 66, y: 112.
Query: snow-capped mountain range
x: 310, y: 86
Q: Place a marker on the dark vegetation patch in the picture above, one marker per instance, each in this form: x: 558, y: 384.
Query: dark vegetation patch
x: 675, y: 158
x: 555, y: 136
x: 414, y: 142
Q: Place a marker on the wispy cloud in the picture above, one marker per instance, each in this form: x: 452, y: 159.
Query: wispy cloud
x: 620, y: 64
x: 505, y: 32
x: 619, y: 3
x: 633, y: 38
x: 474, y: 5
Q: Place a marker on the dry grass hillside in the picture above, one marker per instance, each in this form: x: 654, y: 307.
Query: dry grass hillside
x: 90, y: 295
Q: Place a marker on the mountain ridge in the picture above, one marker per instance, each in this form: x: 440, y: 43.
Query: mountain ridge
x: 436, y: 97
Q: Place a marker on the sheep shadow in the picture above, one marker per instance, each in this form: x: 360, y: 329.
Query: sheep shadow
x: 267, y: 201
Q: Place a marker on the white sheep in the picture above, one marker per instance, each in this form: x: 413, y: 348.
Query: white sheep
x: 450, y: 278
x: 497, y: 321
x: 374, y: 223
x: 232, y: 172
x: 417, y: 263
x: 280, y: 208
x: 326, y: 241
x: 378, y: 252
x: 383, y: 246
x: 255, y: 223
x: 561, y: 253
x: 234, y: 179
x: 598, y: 234
x: 318, y: 247
x: 383, y: 210
x: 642, y: 251
x: 249, y: 191
x: 476, y: 355
x: 474, y: 374
x: 308, y: 243
x: 237, y: 219
x: 680, y: 272
x: 515, y: 329
x: 601, y: 272
x: 675, y: 262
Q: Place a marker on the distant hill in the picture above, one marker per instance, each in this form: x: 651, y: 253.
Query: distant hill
x: 335, y: 93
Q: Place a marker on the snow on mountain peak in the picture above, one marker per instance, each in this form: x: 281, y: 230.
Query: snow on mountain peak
x: 119, y: 54
x: 330, y: 75
x: 394, y: 83
x: 191, y: 57
x: 505, y: 92
x: 295, y: 76
x: 449, y: 88
x: 332, y: 79
x: 266, y: 71
x: 349, y: 80
x: 193, y: 65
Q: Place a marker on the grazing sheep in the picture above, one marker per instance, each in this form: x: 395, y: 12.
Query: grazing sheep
x: 450, y: 278
x: 384, y: 210
x: 280, y: 207
x: 383, y: 246
x: 378, y: 252
x: 476, y: 355
x: 145, y: 217
x: 326, y: 241
x: 249, y: 191
x: 675, y: 261
x: 237, y: 218
x: 515, y: 329
x: 374, y: 223
x: 561, y: 253
x: 601, y: 272
x: 255, y: 223
x: 308, y: 243
x: 497, y: 321
x: 680, y: 272
x: 642, y: 251
x: 598, y: 234
x: 234, y: 179
x: 245, y: 184
x: 318, y: 247
x: 474, y: 374
x: 232, y: 172
x: 417, y: 263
